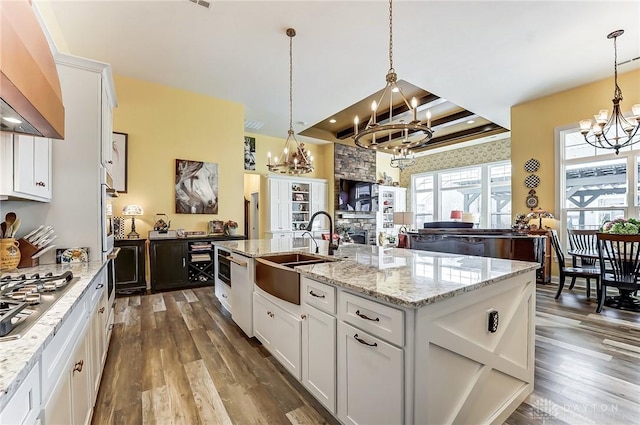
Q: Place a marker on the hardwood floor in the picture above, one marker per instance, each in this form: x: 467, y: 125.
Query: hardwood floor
x: 178, y: 358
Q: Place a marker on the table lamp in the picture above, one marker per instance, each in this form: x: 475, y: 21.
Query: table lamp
x: 404, y: 219
x: 456, y: 215
x: 133, y: 211
x: 539, y: 214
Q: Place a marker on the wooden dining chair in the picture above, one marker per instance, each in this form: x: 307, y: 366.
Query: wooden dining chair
x: 587, y: 272
x: 582, y: 240
x: 620, y: 268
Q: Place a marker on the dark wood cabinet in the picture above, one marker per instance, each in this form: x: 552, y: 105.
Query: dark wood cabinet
x: 183, y: 262
x: 543, y: 274
x: 130, y: 265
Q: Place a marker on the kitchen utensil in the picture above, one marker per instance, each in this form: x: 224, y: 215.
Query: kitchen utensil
x: 42, y: 251
x: 43, y: 236
x: 39, y: 233
x: 47, y: 241
x: 10, y: 218
x: 33, y: 232
x: 16, y: 226
x: 3, y: 227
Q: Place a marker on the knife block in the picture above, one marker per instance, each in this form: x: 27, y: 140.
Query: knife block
x: 27, y: 249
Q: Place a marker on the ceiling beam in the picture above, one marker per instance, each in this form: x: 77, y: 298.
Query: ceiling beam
x: 468, y: 134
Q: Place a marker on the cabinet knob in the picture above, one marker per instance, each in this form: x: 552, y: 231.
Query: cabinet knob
x: 224, y: 296
x: 41, y: 184
x: 303, y: 316
x: 109, y: 162
x: 78, y: 366
x: 101, y: 310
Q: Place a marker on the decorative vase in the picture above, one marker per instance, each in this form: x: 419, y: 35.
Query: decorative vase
x: 232, y: 231
x: 9, y: 254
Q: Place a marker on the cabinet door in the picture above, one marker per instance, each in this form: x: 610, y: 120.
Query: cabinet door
x: 107, y: 131
x: 263, y: 321
x: 168, y: 264
x: 81, y: 384
x: 319, y: 202
x: 370, y: 378
x: 241, y: 290
x: 32, y: 166
x: 280, y: 205
x: 288, y: 339
x: 126, y: 264
x: 319, y: 356
x: 57, y: 411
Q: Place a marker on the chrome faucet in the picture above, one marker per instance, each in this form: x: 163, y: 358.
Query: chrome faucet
x: 332, y: 246
x: 312, y: 238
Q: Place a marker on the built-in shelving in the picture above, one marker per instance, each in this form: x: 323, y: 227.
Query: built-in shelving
x: 200, y: 264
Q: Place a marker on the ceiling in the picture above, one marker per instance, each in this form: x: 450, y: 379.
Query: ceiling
x: 481, y: 57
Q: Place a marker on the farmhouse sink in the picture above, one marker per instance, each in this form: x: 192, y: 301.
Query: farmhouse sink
x: 275, y: 274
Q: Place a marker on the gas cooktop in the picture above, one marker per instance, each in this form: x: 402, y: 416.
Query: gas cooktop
x: 23, y: 299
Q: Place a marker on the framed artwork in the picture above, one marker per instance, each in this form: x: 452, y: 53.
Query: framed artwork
x: 299, y: 197
x: 119, y: 146
x: 196, y: 187
x: 249, y: 153
x: 216, y: 227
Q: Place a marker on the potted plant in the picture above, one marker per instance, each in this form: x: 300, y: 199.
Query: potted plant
x: 230, y: 227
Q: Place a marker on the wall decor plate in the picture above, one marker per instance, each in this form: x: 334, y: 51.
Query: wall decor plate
x: 532, y: 181
x: 72, y: 255
x: 532, y: 165
x: 532, y: 201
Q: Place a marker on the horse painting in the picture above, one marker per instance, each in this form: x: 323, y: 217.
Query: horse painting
x: 196, y: 187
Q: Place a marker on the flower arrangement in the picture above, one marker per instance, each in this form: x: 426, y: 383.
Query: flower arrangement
x: 231, y: 224
x: 622, y: 226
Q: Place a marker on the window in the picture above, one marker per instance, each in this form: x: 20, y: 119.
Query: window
x: 483, y: 190
x: 596, y: 185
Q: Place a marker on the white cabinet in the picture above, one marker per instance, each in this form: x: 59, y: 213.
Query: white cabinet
x: 390, y: 199
x: 242, y: 271
x: 223, y: 293
x: 106, y: 139
x: 319, y: 356
x: 24, y: 406
x: 370, y: 378
x: 291, y: 203
x: 279, y: 205
x: 26, y: 167
x: 280, y: 333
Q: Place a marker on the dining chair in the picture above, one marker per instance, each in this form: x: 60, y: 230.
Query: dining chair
x: 620, y: 268
x: 582, y: 240
x: 586, y: 271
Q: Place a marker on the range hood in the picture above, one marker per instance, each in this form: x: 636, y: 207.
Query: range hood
x: 29, y: 85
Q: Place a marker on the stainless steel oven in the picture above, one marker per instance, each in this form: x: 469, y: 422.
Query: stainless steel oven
x: 224, y: 266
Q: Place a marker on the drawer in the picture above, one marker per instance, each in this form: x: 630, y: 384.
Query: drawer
x: 380, y: 320
x: 223, y: 293
x: 24, y: 406
x: 319, y: 295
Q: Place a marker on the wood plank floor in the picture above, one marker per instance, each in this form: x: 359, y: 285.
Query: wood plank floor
x: 178, y: 358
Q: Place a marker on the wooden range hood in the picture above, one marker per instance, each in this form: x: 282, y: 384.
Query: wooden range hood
x: 29, y: 81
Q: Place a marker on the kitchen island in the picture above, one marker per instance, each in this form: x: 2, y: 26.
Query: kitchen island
x: 387, y: 335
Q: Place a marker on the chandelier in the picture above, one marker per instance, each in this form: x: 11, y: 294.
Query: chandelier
x: 390, y: 134
x: 402, y: 157
x: 295, y: 159
x: 612, y: 132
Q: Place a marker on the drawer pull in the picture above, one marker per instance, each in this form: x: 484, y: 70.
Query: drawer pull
x: 367, y: 317
x: 362, y: 341
x: 100, y: 286
x: 238, y: 262
x: 315, y: 295
x: 78, y: 366
x: 224, y: 296
x: 303, y: 316
x: 41, y: 184
x: 101, y: 310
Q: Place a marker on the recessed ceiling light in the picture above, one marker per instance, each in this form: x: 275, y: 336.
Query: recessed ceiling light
x: 470, y: 122
x: 12, y: 120
x: 332, y: 120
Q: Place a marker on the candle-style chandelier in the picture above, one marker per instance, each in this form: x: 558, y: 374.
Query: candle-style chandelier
x: 295, y: 159
x: 389, y: 134
x: 612, y: 132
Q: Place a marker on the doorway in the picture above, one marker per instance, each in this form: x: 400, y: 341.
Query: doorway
x: 253, y: 216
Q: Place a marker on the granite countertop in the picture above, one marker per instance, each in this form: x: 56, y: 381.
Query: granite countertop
x: 18, y: 356
x: 405, y: 277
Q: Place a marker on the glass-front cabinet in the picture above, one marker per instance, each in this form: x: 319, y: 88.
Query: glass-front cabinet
x: 390, y: 200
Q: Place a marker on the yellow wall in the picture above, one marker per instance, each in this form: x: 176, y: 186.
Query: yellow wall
x: 165, y: 124
x: 533, y: 124
x: 383, y: 165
